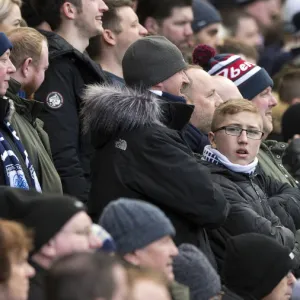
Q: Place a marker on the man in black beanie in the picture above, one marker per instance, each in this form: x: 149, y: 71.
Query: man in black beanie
x: 258, y: 267
x: 59, y: 223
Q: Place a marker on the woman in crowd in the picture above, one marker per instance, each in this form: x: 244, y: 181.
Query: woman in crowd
x: 10, y: 14
x: 15, y: 272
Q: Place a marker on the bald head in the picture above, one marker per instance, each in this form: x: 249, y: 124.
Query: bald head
x: 226, y: 88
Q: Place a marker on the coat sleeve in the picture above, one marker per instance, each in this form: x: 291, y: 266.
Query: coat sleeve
x: 168, y: 174
x: 291, y: 158
x: 61, y: 122
x: 284, y: 201
x: 243, y: 218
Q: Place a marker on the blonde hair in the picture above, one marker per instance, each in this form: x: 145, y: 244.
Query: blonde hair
x: 6, y: 7
x: 27, y: 42
x: 232, y: 107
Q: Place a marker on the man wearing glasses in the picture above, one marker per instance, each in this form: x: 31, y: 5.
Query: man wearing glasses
x: 259, y: 203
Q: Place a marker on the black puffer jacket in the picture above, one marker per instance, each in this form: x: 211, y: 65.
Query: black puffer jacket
x: 251, y: 198
x: 139, y: 156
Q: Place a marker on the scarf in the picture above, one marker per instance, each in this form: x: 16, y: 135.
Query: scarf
x: 13, y: 172
x: 214, y: 156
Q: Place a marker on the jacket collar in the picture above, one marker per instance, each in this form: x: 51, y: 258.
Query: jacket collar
x: 29, y: 108
x: 176, y: 112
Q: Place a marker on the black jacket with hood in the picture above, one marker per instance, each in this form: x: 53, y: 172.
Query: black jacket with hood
x: 139, y: 156
x: 251, y: 198
x: 69, y: 71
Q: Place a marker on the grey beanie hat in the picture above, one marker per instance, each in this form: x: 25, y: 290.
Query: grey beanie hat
x: 204, y: 14
x: 151, y: 60
x: 192, y: 268
x: 134, y: 224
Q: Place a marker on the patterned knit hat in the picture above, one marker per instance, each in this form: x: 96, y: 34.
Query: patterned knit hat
x: 249, y: 78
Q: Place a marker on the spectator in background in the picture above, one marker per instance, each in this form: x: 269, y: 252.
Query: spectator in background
x: 88, y: 276
x: 32, y: 18
x: 201, y: 92
x: 226, y: 89
x: 257, y: 267
x: 15, y: 272
x: 169, y: 18
x: 243, y: 27
x: 10, y: 14
x: 206, y: 24
x: 234, y: 46
x: 121, y: 28
x: 143, y: 236
x: 60, y: 225
x: 192, y: 269
x: 70, y: 69
x: 147, y: 284
x: 30, y: 57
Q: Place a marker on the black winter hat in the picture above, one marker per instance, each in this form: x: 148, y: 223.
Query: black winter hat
x: 151, y: 60
x: 44, y: 214
x: 254, y: 264
x: 290, y: 124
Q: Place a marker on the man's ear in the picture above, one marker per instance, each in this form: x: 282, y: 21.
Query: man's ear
x: 295, y: 101
x: 26, y: 66
x: 211, y: 137
x: 151, y: 25
x: 109, y: 37
x: 132, y: 258
x: 49, y: 249
x: 68, y: 10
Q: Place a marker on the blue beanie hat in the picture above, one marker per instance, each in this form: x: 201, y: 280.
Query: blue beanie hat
x: 134, y: 224
x: 249, y: 78
x: 204, y: 14
x: 5, y: 43
x: 192, y: 268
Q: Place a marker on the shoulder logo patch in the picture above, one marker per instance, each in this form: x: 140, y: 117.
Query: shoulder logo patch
x: 121, y: 144
x: 54, y: 100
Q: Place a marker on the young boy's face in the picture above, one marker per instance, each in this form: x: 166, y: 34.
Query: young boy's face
x: 239, y: 147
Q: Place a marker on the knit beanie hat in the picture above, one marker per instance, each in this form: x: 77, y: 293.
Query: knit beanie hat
x: 192, y: 268
x: 254, y: 264
x: 134, y: 224
x: 108, y: 243
x: 290, y: 124
x: 44, y: 214
x: 204, y: 15
x: 249, y: 78
x: 151, y: 60
x: 5, y: 43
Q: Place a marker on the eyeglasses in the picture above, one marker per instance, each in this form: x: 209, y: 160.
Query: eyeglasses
x: 237, y: 131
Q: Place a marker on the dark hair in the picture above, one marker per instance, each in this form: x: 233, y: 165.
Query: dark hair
x: 49, y: 10
x: 158, y: 10
x: 80, y: 276
x: 235, y: 46
x: 231, y: 19
x: 289, y: 86
x: 111, y: 21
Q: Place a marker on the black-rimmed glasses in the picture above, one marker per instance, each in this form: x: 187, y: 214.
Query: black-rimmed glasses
x: 237, y: 131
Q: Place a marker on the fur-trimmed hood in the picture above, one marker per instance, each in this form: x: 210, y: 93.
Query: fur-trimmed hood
x: 109, y: 109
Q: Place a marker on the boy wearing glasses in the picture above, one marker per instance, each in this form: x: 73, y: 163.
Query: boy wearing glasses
x: 235, y: 137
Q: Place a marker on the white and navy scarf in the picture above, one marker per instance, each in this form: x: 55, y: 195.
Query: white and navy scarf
x: 214, y: 156
x: 13, y: 172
